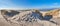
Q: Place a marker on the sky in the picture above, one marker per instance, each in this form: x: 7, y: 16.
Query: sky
x: 29, y: 4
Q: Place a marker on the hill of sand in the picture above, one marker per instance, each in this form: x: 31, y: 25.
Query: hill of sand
x: 29, y: 18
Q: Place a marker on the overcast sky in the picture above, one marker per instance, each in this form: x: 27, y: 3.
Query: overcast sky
x: 22, y: 4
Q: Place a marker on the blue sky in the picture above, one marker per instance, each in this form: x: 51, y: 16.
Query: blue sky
x: 22, y: 4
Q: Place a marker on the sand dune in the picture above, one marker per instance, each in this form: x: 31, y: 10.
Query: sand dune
x: 30, y: 18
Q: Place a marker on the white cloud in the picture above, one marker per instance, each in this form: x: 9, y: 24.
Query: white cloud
x: 55, y: 3
x: 7, y: 4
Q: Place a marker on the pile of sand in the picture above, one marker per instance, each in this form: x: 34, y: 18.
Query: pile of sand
x: 27, y: 18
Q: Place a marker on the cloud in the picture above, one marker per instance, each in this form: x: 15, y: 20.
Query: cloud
x: 7, y: 4
x: 52, y: 5
x: 56, y: 4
